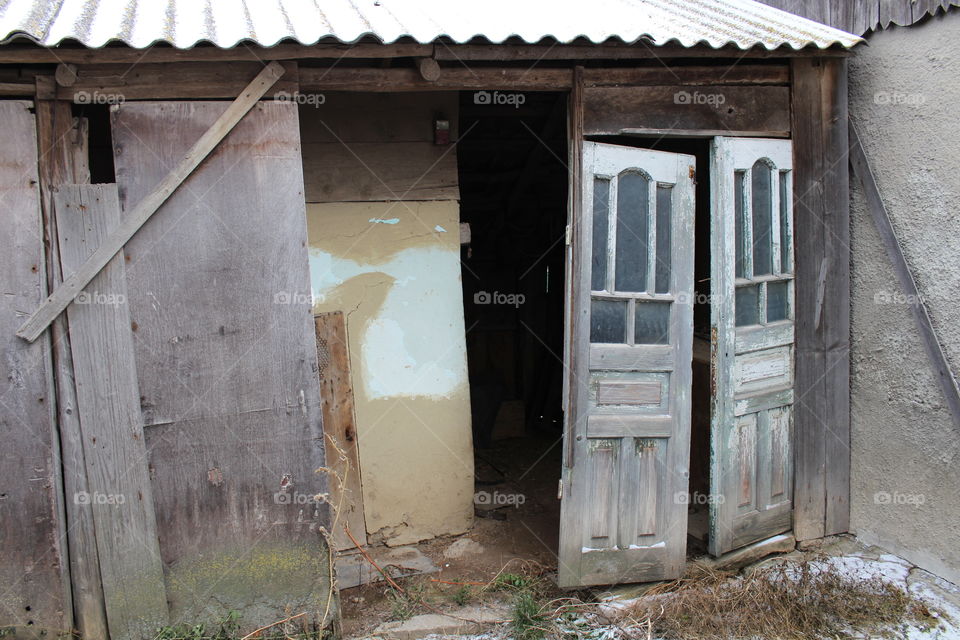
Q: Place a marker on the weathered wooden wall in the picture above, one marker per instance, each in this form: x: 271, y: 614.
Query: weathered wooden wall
x: 368, y: 147
x: 822, y: 223
x: 32, y: 558
x: 219, y: 297
x: 860, y: 16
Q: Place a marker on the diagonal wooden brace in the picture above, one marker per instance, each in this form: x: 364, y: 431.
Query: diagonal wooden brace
x: 60, y: 299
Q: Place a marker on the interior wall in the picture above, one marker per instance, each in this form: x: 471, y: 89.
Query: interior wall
x: 905, y: 449
x: 383, y: 226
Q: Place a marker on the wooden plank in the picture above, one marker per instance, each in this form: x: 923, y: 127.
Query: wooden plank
x: 836, y: 305
x: 350, y: 117
x: 749, y: 74
x: 32, y: 555
x: 625, y: 425
x: 64, y: 139
x: 451, y: 79
x: 573, y: 267
x: 809, y: 210
x: 116, y: 83
x: 17, y: 88
x: 219, y: 292
x: 447, y: 52
x: 118, y: 481
x: 66, y: 292
x: 374, y: 171
x: 633, y: 393
x: 340, y: 429
x: 819, y: 212
x: 616, y: 110
x: 921, y: 315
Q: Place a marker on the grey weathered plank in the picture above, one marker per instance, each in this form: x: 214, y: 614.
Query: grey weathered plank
x: 733, y: 110
x: 118, y: 481
x: 606, y: 536
x: 809, y: 211
x: 340, y: 429
x: 183, y: 167
x: 219, y: 293
x: 151, y: 81
x: 836, y: 309
x: 378, y: 171
x: 32, y: 558
x: 64, y: 141
x: 822, y: 416
x: 921, y: 315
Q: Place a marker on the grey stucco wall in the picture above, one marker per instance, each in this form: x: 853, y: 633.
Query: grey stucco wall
x: 905, y: 101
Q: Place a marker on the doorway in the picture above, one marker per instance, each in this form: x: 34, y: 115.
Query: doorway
x: 512, y: 165
x: 682, y: 355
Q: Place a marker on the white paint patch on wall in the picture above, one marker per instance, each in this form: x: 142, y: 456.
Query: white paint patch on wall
x: 414, y: 345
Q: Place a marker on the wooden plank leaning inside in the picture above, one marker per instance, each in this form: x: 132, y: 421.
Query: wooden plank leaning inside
x: 108, y: 403
x: 134, y: 219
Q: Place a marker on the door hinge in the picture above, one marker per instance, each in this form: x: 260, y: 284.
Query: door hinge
x: 560, y: 489
x: 567, y: 235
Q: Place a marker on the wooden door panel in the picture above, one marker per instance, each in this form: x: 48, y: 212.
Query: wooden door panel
x: 621, y: 519
x: 752, y: 320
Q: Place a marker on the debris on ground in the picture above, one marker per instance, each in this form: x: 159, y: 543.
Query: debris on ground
x: 862, y: 593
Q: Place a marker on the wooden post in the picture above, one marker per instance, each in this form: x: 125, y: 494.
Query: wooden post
x: 822, y: 223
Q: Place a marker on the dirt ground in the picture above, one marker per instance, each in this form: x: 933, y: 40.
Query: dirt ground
x: 517, y: 476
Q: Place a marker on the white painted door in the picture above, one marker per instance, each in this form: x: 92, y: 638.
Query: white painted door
x: 752, y: 286
x: 623, y: 516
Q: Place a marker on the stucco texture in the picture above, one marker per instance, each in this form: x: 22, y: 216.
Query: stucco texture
x: 393, y: 269
x: 904, y: 94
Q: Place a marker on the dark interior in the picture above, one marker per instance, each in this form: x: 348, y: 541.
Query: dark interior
x: 512, y: 158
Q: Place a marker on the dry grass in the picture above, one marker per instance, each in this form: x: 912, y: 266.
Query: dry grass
x: 791, y: 602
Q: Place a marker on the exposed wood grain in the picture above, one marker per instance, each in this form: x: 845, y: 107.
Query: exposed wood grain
x: 447, y: 52
x: 363, y: 147
x: 373, y: 171
x: 340, y: 429
x: 351, y: 117
x: 616, y: 110
x: 661, y: 75
x: 606, y: 534
x: 226, y: 357
x: 455, y: 78
x: 115, y: 83
x: 921, y: 315
x: 636, y: 393
x: 821, y: 412
x: 66, y: 292
x: 836, y: 313
x: 32, y: 556
x: 752, y: 364
x: 62, y: 140
x: 118, y: 482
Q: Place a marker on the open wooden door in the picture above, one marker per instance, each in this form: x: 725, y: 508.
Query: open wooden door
x: 752, y: 341
x: 623, y: 518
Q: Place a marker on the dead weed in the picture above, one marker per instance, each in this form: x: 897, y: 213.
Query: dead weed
x: 796, y: 601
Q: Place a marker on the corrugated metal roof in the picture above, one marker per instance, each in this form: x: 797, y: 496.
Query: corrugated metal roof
x: 225, y: 23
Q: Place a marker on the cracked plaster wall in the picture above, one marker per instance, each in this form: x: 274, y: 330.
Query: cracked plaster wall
x: 905, y: 493
x: 393, y: 268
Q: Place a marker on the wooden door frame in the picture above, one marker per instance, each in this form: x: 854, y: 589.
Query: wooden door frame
x: 818, y: 130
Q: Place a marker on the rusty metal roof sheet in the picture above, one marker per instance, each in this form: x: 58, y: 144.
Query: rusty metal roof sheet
x: 227, y: 23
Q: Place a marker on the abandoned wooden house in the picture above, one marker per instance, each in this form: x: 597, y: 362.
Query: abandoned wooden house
x: 272, y: 272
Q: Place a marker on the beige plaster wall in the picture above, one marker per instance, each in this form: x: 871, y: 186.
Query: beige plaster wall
x: 393, y: 268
